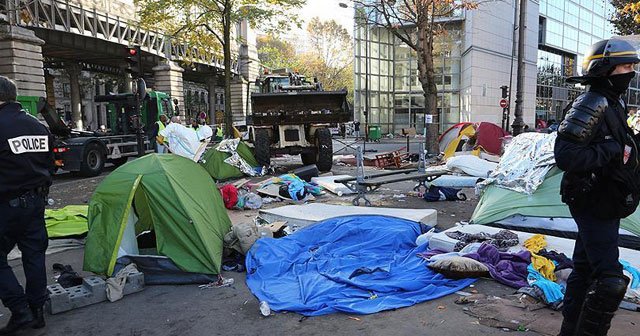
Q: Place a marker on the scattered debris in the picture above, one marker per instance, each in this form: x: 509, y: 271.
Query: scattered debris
x: 354, y: 318
x: 469, y: 298
x: 264, y: 308
x: 222, y: 282
x: 328, y: 183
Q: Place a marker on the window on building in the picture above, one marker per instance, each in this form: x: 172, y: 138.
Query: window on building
x: 542, y: 27
x: 66, y: 90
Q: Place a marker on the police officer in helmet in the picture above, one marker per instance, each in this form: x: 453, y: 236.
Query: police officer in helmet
x: 598, y: 153
x: 26, y: 163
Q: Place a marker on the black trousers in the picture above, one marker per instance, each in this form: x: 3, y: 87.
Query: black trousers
x: 595, y: 256
x: 22, y: 223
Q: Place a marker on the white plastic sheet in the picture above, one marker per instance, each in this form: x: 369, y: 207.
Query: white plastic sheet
x: 182, y: 141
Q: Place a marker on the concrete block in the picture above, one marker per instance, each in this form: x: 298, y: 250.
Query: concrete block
x: 92, y: 290
x: 135, y: 283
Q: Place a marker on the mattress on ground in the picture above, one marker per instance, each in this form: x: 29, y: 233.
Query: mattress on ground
x: 305, y: 215
x: 559, y: 227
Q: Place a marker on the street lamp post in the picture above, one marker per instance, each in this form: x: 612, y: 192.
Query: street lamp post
x: 366, y: 71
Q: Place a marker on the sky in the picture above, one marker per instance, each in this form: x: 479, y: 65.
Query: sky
x: 326, y: 10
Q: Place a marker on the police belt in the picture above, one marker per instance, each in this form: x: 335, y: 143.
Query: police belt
x: 39, y: 191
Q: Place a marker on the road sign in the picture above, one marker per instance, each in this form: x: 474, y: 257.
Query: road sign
x: 504, y: 103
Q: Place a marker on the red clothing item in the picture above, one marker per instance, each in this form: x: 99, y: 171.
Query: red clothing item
x: 229, y: 196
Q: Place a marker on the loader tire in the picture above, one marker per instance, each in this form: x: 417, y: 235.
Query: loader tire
x: 262, y: 146
x: 324, y: 149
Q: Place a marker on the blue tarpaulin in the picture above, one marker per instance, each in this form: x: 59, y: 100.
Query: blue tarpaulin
x: 355, y: 264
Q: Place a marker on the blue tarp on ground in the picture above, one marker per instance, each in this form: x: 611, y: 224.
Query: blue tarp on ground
x: 355, y: 264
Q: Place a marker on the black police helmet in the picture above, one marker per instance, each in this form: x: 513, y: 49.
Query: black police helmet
x: 603, y: 57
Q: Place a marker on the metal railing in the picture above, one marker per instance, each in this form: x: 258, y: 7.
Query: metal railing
x: 75, y: 18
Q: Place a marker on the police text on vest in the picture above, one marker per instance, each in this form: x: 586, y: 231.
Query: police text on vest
x: 29, y: 144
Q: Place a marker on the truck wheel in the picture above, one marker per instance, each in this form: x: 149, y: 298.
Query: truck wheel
x: 324, y: 148
x: 309, y: 158
x: 92, y: 161
x: 262, y: 146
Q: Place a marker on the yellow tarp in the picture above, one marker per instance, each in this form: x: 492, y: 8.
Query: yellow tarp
x: 68, y: 221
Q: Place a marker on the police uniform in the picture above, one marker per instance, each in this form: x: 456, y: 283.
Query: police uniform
x: 26, y: 165
x: 599, y: 154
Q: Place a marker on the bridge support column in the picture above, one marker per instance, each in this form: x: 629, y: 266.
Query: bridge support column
x: 76, y: 100
x: 128, y: 83
x: 212, y: 83
x: 168, y: 79
x: 240, y: 99
x: 21, y: 60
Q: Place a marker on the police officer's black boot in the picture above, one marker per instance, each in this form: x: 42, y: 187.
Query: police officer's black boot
x: 38, y: 317
x: 568, y: 328
x: 20, y: 319
x: 600, y: 306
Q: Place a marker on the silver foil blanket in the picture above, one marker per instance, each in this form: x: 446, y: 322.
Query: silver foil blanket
x: 524, y: 164
x: 231, y: 146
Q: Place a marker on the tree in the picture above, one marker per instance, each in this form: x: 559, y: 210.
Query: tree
x: 626, y: 17
x: 331, y: 56
x: 275, y: 53
x: 416, y: 23
x: 206, y: 26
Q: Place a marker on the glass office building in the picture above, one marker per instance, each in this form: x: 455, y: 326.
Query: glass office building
x: 566, y: 28
x: 474, y: 57
x: 395, y: 100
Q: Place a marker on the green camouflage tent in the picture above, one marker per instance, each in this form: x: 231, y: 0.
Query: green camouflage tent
x: 498, y: 204
x: 168, y: 194
x: 213, y: 162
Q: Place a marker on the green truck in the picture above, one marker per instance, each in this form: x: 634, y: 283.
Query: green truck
x: 87, y: 152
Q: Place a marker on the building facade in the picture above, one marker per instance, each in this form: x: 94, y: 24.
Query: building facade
x: 475, y: 58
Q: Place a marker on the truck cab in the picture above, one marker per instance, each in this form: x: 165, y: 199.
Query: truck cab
x: 87, y: 152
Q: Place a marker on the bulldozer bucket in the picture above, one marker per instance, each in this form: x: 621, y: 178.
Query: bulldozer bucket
x: 300, y: 107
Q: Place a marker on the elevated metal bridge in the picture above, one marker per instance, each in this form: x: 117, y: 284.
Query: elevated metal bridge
x: 76, y: 32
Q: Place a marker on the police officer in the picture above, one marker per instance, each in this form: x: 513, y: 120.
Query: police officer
x: 26, y: 164
x: 599, y: 154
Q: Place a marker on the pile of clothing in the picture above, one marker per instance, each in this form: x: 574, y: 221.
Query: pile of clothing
x: 292, y: 187
x: 239, y: 199
x: 533, y: 270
